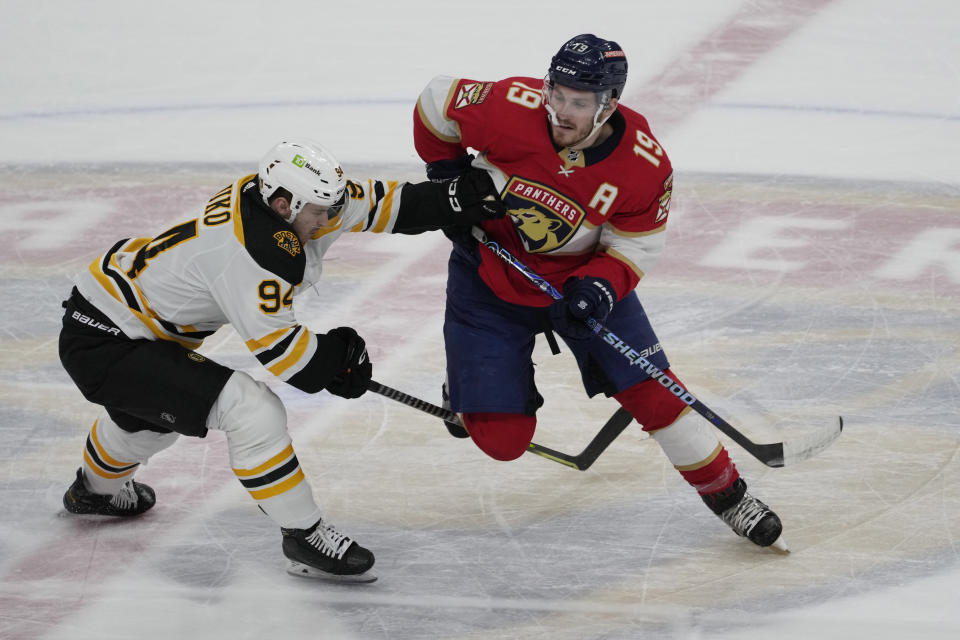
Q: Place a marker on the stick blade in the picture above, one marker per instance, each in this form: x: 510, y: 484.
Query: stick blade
x: 805, y: 447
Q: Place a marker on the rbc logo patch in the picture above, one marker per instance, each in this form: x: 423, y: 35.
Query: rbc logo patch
x: 544, y: 218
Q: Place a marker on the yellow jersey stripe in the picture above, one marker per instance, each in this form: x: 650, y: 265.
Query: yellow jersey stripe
x: 385, y: 208
x: 269, y: 339
x: 325, y: 230
x: 108, y: 285
x: 295, y: 354
x: 105, y: 281
x: 235, y: 212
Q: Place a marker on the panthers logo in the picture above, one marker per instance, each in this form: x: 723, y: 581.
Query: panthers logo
x: 288, y: 241
x: 544, y: 218
x: 536, y: 228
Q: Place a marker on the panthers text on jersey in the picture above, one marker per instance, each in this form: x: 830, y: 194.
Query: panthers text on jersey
x: 601, y: 211
x: 236, y: 263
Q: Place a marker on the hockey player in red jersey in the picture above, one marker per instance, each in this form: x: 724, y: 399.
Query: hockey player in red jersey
x: 587, y: 190
x: 137, y: 314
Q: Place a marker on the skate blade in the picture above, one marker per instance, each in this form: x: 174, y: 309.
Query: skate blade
x: 306, y: 571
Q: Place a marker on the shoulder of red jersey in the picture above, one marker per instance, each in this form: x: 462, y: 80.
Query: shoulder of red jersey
x: 476, y: 113
x: 638, y: 140
x: 645, y: 156
x: 514, y: 98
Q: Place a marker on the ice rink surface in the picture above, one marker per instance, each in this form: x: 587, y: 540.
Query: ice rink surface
x: 813, y: 270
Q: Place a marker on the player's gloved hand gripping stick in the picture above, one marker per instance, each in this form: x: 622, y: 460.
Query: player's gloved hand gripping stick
x: 773, y: 455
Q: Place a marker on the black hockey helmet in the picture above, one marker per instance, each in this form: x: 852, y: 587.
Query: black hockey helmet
x: 590, y: 63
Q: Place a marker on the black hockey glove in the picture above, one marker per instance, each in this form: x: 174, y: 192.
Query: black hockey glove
x: 452, y: 205
x: 356, y: 371
x: 582, y: 298
x: 443, y: 170
x: 472, y: 198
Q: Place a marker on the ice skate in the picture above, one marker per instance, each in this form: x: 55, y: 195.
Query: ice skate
x: 748, y: 517
x: 456, y: 430
x: 323, y: 552
x: 134, y: 498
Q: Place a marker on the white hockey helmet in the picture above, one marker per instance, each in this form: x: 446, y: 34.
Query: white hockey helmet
x: 307, y: 171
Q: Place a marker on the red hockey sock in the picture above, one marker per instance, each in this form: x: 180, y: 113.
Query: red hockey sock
x: 502, y: 436
x: 650, y: 404
x: 716, y: 475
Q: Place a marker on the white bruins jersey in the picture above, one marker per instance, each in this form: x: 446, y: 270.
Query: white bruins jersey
x: 236, y: 264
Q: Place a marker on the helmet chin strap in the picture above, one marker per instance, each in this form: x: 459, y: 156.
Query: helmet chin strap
x: 590, y: 137
x: 295, y: 211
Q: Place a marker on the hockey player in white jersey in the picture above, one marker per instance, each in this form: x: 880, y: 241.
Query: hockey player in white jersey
x: 137, y: 314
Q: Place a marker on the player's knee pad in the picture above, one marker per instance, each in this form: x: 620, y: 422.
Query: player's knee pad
x: 502, y: 436
x: 254, y: 419
x: 652, y: 405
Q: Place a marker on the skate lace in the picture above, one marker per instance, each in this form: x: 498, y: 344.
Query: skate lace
x: 127, y: 498
x: 744, y: 516
x: 329, y: 541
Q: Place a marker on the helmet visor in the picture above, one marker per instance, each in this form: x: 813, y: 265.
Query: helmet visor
x: 334, y: 210
x: 573, y: 101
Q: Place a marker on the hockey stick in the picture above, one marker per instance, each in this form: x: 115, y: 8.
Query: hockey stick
x: 582, y: 461
x: 775, y: 454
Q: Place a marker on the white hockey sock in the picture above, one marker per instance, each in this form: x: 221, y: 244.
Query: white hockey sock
x: 697, y: 454
x: 113, y: 455
x: 261, y: 451
x: 688, y: 442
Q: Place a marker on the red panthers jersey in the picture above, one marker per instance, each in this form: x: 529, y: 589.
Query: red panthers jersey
x: 600, y: 211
